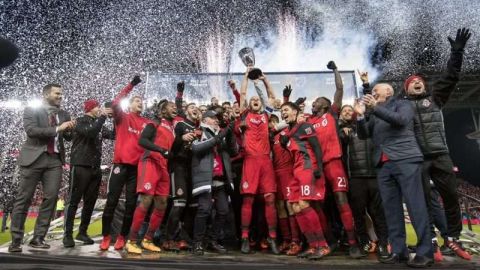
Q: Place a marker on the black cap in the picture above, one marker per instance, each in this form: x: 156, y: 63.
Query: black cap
x: 209, y: 113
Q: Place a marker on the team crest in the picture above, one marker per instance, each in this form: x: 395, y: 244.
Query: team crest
x: 245, y: 185
x: 116, y: 170
x: 308, y: 130
x: 426, y: 103
x: 324, y: 122
x: 147, y: 186
x: 179, y: 192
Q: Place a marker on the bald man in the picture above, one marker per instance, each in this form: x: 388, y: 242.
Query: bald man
x: 399, y: 159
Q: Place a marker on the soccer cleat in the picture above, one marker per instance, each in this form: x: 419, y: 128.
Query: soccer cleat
x: 245, y: 246
x: 319, y: 253
x: 150, y: 246
x: 264, y: 244
x: 382, y: 251
x: 284, y: 246
x: 105, y: 244
x: 306, y: 253
x: 458, y: 249
x: 170, y: 245
x: 273, y: 245
x: 357, y: 253
x: 133, y: 248
x: 183, y: 245
x: 198, y: 249
x: 120, y: 243
x: 294, y: 249
x: 437, y: 255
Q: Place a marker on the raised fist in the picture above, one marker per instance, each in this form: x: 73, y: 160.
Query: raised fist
x: 136, y: 80
x: 331, y: 65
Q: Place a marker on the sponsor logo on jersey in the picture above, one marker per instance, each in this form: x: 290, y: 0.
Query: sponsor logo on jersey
x: 245, y: 185
x: 324, y: 122
x: 308, y: 130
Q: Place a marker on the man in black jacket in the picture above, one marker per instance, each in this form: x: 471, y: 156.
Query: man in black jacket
x: 212, y: 179
x: 396, y: 153
x: 363, y: 194
x: 85, y: 173
x: 430, y: 133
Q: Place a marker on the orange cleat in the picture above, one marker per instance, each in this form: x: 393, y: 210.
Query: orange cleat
x: 105, y: 244
x: 120, y: 243
x: 437, y: 255
x: 294, y: 249
x: 458, y: 249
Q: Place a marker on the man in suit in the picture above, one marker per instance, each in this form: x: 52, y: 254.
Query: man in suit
x: 41, y: 159
x: 399, y: 159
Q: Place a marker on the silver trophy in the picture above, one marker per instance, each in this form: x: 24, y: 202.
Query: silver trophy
x: 248, y: 59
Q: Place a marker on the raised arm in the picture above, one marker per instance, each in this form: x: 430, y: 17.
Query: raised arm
x: 338, y: 96
x: 117, y: 110
x: 179, y: 98
x: 270, y: 93
x: 243, y: 91
x: 235, y: 92
x: 443, y: 87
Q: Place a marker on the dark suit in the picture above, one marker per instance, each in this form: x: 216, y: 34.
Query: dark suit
x: 390, y: 126
x: 37, y: 165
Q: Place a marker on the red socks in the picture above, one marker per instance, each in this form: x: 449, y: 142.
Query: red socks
x: 294, y: 230
x: 283, y: 223
x: 310, y: 226
x: 155, y: 221
x: 246, y: 215
x: 347, y: 220
x: 137, y: 222
x: 271, y: 215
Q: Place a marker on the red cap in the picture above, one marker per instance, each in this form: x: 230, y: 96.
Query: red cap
x: 410, y: 79
x: 90, y: 104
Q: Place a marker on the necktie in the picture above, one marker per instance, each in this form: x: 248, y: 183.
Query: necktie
x: 51, y: 141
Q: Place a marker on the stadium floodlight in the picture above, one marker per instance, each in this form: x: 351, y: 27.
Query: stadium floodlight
x: 35, y: 103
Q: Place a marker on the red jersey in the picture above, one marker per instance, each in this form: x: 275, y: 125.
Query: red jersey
x: 256, y: 138
x: 163, y: 138
x: 326, y: 128
x: 301, y: 150
x: 128, y: 127
x: 282, y: 159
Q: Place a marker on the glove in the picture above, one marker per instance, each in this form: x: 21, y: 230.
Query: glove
x: 317, y: 173
x: 136, y: 80
x: 284, y: 141
x: 180, y: 86
x: 331, y: 65
x: 287, y: 91
x: 300, y: 100
x: 460, y: 40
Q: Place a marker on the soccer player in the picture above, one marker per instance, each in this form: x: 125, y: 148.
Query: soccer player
x: 258, y: 176
x: 127, y: 153
x: 324, y: 119
x: 307, y: 184
x: 153, y: 183
x: 283, y: 166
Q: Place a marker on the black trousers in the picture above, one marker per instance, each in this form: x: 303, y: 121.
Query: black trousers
x: 440, y: 170
x: 365, y: 198
x: 121, y: 175
x: 206, y: 201
x: 84, y: 183
x: 181, y: 189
